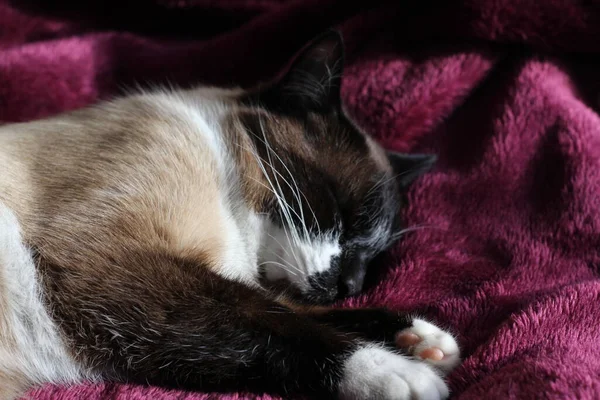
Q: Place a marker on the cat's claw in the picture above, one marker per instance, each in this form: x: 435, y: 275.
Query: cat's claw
x: 431, y: 344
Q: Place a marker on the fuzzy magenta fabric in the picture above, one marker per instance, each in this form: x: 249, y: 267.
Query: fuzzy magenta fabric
x: 505, y: 91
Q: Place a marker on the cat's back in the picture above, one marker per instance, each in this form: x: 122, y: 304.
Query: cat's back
x: 150, y: 171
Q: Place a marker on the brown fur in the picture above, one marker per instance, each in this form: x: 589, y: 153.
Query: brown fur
x: 347, y: 164
x: 122, y: 205
x: 72, y: 182
x: 71, y: 189
x: 352, y: 167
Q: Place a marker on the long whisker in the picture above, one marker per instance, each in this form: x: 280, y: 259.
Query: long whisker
x: 284, y: 205
x: 268, y: 188
x: 395, y: 176
x: 312, y: 211
x: 284, y: 229
x: 376, y: 185
x: 271, y: 187
x: 299, y: 193
x: 287, y: 235
x: 283, y: 260
x: 279, y: 243
x: 296, y: 192
x: 277, y: 263
x: 404, y: 231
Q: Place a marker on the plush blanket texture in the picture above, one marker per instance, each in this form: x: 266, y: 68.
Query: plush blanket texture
x: 505, y: 91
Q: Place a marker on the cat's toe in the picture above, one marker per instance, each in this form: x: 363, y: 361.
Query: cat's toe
x: 431, y: 344
x: 378, y: 374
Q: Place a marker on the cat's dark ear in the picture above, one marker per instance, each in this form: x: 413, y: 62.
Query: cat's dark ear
x: 313, y: 80
x: 409, y: 167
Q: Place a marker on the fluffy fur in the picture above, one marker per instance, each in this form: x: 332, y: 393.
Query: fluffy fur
x: 31, y: 348
x: 507, y: 255
x: 178, y: 236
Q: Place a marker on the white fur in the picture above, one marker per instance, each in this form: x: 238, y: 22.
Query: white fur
x: 29, y: 340
x: 252, y: 238
x: 295, y: 258
x: 289, y: 253
x: 379, y: 374
x: 375, y: 373
x: 204, y: 109
x: 30, y: 343
x: 432, y: 336
x: 375, y: 238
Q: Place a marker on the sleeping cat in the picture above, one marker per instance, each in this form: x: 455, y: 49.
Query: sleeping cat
x: 191, y: 238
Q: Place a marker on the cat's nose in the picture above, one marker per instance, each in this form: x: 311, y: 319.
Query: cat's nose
x: 351, y: 285
x: 352, y: 278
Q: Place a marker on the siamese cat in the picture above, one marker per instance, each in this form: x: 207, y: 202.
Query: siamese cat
x: 192, y: 239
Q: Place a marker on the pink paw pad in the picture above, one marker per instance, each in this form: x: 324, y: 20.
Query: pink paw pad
x: 429, y: 343
x: 407, y: 340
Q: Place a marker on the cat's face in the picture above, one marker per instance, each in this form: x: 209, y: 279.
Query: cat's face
x: 333, y: 195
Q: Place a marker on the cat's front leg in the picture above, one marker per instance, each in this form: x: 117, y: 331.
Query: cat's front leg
x: 400, y: 357
x: 199, y: 331
x: 400, y: 377
x: 414, y: 336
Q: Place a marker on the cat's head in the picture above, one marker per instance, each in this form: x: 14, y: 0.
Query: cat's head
x: 331, y: 195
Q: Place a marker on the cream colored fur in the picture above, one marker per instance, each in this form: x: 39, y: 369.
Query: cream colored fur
x: 162, y: 170
x: 31, y: 349
x: 58, y: 176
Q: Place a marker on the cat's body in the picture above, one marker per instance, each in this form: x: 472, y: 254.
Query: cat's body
x: 156, y: 220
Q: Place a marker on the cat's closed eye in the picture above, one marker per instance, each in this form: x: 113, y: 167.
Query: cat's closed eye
x: 174, y: 237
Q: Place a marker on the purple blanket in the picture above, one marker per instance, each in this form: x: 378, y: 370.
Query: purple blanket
x: 507, y: 254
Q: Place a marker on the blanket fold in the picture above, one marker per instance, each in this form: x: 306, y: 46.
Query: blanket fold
x: 506, y: 92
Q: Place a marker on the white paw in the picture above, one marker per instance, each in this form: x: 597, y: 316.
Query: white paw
x: 379, y: 374
x: 431, y: 344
